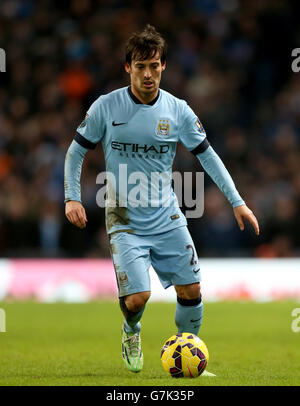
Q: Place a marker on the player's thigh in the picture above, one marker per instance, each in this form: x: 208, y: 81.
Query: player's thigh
x: 131, y: 258
x: 175, y: 258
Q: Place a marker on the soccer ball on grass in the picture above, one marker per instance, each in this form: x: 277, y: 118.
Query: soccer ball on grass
x: 184, y: 354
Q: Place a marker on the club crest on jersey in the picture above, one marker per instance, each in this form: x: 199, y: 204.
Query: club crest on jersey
x: 163, y: 127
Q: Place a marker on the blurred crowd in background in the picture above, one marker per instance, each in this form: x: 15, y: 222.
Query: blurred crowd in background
x: 229, y: 59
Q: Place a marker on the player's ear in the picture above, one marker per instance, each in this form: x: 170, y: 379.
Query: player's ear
x: 163, y: 66
x: 127, y: 67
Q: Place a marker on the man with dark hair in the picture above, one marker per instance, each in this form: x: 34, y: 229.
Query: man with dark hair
x: 144, y: 45
x: 139, y: 127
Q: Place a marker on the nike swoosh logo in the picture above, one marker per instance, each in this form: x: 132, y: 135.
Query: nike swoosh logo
x: 194, y: 321
x: 196, y: 270
x: 115, y: 124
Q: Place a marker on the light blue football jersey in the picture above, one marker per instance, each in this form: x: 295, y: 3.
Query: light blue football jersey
x: 139, y: 143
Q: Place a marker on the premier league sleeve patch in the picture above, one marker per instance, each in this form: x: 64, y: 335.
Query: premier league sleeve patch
x: 200, y: 127
x: 83, y: 124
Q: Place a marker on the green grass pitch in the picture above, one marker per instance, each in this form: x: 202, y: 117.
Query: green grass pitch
x: 80, y: 344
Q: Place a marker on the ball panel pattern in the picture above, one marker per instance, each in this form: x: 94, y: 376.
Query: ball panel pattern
x: 184, y: 355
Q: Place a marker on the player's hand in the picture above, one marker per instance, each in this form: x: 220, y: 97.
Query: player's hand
x: 244, y: 213
x: 75, y: 213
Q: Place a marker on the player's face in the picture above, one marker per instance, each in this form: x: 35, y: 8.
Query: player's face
x: 145, y: 76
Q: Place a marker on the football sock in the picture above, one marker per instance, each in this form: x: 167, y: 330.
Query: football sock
x: 188, y: 315
x: 132, y: 319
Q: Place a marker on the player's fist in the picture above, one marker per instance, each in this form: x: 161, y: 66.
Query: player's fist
x: 244, y: 213
x: 75, y: 213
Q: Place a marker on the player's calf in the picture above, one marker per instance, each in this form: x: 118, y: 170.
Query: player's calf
x: 189, y: 308
x: 133, y: 307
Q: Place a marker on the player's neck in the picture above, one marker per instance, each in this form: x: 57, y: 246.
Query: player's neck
x: 144, y: 98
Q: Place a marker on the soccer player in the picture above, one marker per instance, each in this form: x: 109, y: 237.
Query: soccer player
x: 139, y: 126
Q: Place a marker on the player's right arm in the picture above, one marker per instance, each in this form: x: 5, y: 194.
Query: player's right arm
x: 74, y: 209
x: 75, y: 213
x: 88, y: 135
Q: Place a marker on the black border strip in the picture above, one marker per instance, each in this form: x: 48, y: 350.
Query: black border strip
x: 189, y: 302
x: 84, y: 142
x: 201, y: 147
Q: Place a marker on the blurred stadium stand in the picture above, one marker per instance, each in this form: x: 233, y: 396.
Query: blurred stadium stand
x: 230, y: 59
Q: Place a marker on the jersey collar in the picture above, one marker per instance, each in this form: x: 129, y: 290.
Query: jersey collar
x: 137, y: 101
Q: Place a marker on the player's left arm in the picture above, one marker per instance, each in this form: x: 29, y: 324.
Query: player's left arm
x: 193, y: 136
x: 213, y: 165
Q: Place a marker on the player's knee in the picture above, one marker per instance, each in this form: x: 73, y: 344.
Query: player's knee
x: 189, y: 292
x: 137, y: 301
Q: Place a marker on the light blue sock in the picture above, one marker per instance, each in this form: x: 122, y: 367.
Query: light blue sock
x: 188, y: 315
x: 132, y: 322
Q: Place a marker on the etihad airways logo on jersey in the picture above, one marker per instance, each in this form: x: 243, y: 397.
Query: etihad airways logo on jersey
x: 140, y: 148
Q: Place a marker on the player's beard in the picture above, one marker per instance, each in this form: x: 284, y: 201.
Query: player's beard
x: 150, y: 92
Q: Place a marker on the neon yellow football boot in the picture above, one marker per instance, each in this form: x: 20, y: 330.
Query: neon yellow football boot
x: 132, y: 351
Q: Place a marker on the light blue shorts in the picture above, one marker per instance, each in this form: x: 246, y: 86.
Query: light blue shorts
x: 172, y: 255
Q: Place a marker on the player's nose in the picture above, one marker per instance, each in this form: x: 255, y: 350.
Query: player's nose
x: 147, y: 74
